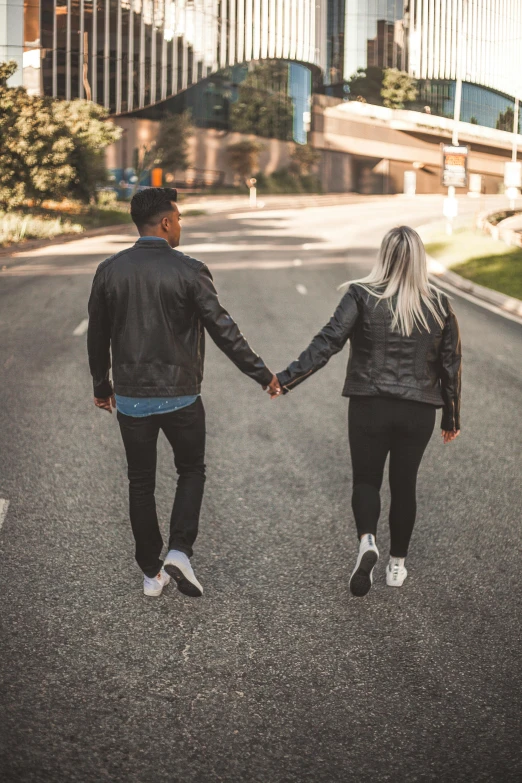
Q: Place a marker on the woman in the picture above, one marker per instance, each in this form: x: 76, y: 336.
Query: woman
x: 405, y: 362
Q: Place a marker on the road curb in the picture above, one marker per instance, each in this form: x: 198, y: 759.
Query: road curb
x: 35, y: 244
x: 508, y: 304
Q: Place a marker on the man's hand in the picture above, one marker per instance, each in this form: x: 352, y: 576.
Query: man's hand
x: 273, y: 388
x: 449, y: 435
x: 106, y: 404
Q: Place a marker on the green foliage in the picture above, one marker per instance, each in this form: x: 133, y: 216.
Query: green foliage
x: 398, y: 89
x: 172, y: 141
x: 383, y: 87
x: 244, y: 157
x: 303, y: 158
x: 506, y: 120
x: 286, y: 180
x: 49, y: 148
x: 263, y: 105
x: 85, y: 123
x: 366, y: 85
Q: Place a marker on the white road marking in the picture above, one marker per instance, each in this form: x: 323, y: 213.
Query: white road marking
x: 81, y: 328
x: 297, y: 262
x: 4, y: 505
x: 302, y: 289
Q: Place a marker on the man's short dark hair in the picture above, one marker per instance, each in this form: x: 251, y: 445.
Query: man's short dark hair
x: 150, y: 205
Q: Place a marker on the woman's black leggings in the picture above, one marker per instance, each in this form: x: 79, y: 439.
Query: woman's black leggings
x: 378, y: 426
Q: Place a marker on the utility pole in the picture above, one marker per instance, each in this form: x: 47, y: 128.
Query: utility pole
x: 451, y: 205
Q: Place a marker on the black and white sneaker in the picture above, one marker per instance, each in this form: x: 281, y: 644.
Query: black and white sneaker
x: 177, y: 565
x: 362, y: 578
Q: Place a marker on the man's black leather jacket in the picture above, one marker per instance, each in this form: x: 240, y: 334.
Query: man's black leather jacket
x: 151, y: 305
x: 426, y: 366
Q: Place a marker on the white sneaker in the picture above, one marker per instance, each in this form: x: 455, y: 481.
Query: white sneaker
x: 395, y: 572
x: 362, y: 578
x: 153, y: 585
x: 178, y: 566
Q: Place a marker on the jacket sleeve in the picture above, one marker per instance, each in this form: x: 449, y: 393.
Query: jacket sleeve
x: 330, y: 340
x: 224, y: 330
x: 99, y: 339
x: 450, y: 371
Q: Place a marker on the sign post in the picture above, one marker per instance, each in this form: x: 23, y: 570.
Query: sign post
x: 454, y: 175
x: 253, y: 192
x: 512, y: 181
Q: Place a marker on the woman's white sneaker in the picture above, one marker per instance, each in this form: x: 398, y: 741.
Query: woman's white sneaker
x: 396, y: 572
x: 362, y: 578
x: 154, y: 585
x: 177, y: 564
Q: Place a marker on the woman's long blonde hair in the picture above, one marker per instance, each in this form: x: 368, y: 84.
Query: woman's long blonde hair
x: 402, y: 270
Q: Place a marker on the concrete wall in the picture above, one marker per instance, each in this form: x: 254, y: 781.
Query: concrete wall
x: 208, y: 152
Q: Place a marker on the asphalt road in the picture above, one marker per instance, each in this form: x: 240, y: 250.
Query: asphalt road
x: 277, y: 674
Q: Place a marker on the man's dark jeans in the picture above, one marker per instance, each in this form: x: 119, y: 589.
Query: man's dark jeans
x: 185, y: 431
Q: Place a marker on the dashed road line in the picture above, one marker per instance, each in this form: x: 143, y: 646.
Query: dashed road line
x: 81, y: 328
x: 4, y: 505
x: 302, y: 289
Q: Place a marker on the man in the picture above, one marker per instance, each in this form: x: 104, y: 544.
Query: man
x: 150, y: 305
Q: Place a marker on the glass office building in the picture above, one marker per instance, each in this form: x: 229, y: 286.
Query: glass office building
x: 133, y: 55
x: 129, y: 54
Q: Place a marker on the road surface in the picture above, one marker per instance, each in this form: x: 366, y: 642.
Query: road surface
x: 277, y: 675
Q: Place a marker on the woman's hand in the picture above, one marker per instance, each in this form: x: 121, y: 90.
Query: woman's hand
x: 273, y: 389
x: 449, y: 435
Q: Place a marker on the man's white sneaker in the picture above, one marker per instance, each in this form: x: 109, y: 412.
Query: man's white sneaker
x: 395, y: 572
x: 178, y: 566
x: 362, y: 578
x: 153, y: 585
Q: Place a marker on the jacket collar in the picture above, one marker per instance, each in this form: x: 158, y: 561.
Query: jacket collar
x: 152, y: 242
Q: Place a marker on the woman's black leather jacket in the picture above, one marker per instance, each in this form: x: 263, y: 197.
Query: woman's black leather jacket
x: 426, y: 366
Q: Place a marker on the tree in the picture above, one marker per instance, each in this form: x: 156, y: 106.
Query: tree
x: 172, y: 146
x: 35, y: 147
x: 264, y: 106
x: 302, y: 159
x: 398, y: 89
x: 244, y: 157
x: 49, y: 148
x: 506, y: 120
x: 91, y: 134
x: 366, y: 85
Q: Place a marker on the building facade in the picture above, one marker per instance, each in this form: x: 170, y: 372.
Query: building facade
x: 131, y: 54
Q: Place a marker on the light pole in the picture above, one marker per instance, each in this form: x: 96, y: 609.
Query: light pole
x: 451, y: 205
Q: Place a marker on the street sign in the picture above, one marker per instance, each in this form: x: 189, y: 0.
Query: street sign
x: 454, y: 166
x: 512, y: 174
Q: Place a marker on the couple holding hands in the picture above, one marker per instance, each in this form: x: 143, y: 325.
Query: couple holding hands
x: 150, y: 306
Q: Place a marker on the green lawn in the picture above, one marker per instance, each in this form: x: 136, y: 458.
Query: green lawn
x: 18, y: 226
x: 501, y: 272
x: 479, y: 258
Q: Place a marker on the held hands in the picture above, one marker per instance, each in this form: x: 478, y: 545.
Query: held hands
x: 106, y: 404
x: 273, y: 388
x: 449, y: 435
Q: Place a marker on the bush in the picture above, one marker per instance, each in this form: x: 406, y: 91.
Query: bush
x: 286, y: 180
x: 49, y: 149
